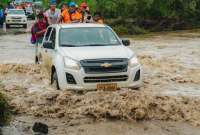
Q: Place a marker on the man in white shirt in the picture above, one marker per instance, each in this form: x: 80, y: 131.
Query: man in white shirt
x: 53, y: 13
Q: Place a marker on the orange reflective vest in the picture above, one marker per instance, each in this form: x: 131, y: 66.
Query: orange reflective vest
x: 76, y: 16
x: 65, y: 16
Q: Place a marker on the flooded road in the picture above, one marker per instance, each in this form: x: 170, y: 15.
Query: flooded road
x: 16, y: 49
x: 15, y: 46
x: 168, y: 101
x: 171, y: 61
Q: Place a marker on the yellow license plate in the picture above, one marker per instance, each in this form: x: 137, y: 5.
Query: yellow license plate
x: 111, y: 86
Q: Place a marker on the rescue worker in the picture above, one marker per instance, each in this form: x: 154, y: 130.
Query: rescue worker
x: 98, y: 18
x: 53, y: 14
x: 63, y: 7
x: 38, y: 29
x: 65, y: 18
x: 74, y: 15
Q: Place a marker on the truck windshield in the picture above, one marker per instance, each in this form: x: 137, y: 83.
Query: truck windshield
x: 80, y: 37
x: 18, y: 12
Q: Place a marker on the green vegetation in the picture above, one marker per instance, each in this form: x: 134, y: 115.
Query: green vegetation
x: 4, y: 109
x: 140, y: 16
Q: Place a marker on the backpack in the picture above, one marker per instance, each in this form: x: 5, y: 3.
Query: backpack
x: 33, y: 36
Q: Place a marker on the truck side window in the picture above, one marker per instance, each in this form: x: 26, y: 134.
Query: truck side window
x: 48, y: 34
x: 53, y: 37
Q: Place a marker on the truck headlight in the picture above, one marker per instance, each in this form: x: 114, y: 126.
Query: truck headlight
x: 72, y: 64
x: 133, y: 62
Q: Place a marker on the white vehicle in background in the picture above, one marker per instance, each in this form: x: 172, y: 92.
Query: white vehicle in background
x: 16, y: 17
x: 88, y: 57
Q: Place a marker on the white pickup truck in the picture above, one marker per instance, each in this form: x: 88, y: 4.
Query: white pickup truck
x: 88, y: 57
x: 16, y: 17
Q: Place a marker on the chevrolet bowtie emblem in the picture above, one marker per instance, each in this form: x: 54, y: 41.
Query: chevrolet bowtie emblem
x: 106, y: 65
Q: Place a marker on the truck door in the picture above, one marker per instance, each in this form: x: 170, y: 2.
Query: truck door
x: 44, y: 51
x: 51, y: 52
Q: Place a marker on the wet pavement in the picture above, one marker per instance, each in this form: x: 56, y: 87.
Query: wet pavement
x: 16, y: 49
x: 15, y: 46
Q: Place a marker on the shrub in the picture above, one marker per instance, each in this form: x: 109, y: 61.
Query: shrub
x: 4, y: 110
x: 138, y: 30
x: 121, y: 30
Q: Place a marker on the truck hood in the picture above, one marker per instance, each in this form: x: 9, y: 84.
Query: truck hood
x: 96, y: 52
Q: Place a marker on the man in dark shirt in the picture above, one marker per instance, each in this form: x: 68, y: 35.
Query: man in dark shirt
x: 39, y: 29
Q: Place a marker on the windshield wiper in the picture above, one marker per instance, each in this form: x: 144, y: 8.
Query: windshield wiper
x: 83, y: 45
x: 95, y: 44
x: 66, y: 45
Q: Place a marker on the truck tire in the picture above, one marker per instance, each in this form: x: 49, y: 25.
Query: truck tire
x: 36, y: 60
x: 54, y: 80
x: 7, y: 26
x: 33, y: 17
x: 25, y: 26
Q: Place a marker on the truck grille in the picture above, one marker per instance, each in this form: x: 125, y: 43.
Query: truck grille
x: 18, y: 18
x: 102, y: 79
x: 95, y: 66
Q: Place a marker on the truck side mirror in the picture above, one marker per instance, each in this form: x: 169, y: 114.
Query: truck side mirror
x: 126, y: 42
x: 48, y: 44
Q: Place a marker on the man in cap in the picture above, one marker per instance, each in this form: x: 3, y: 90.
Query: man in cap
x: 85, y: 11
x: 53, y: 14
x: 38, y: 30
x: 75, y: 16
x: 65, y: 18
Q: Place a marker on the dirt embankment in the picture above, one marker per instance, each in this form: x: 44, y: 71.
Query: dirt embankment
x: 126, y: 104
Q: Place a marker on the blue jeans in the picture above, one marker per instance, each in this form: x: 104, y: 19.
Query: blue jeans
x: 1, y: 22
x: 38, y: 41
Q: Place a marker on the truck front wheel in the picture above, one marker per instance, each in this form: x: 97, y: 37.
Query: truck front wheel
x: 25, y: 26
x: 36, y: 60
x: 7, y: 26
x: 54, y: 80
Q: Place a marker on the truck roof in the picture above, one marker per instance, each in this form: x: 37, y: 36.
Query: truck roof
x: 79, y: 25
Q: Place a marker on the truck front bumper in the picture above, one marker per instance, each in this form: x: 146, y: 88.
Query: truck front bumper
x: 132, y: 81
x: 16, y: 22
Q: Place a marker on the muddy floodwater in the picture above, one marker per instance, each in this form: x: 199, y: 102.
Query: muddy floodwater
x: 168, y: 103
x: 173, y: 60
